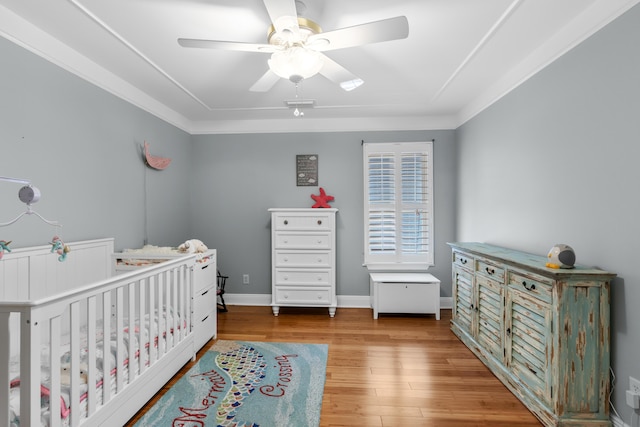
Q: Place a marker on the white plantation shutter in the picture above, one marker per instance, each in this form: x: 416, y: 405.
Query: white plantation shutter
x: 398, y: 205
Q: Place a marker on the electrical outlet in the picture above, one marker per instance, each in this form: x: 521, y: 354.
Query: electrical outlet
x: 634, y: 385
x: 245, y: 280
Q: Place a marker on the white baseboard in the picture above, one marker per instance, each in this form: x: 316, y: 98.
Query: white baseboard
x: 344, y: 301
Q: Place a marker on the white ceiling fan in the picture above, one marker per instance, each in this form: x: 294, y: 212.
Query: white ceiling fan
x: 296, y: 45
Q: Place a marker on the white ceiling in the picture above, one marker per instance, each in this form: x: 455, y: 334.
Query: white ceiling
x: 460, y: 56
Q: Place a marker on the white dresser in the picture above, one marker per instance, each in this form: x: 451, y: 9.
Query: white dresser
x: 303, y: 258
x: 205, y: 308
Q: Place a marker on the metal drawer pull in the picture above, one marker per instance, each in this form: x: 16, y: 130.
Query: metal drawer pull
x: 205, y: 318
x: 286, y: 221
x: 319, y: 222
x: 490, y: 270
x: 463, y: 261
x: 529, y: 288
x: 508, y: 331
x: 534, y: 372
x: 206, y: 266
x: 205, y: 292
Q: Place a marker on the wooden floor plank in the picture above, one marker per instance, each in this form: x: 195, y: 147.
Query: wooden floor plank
x: 398, y: 370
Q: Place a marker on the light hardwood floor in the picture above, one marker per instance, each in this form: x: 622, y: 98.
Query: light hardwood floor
x: 399, y: 370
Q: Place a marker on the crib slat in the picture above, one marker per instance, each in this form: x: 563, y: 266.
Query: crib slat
x: 119, y: 335
x: 5, y: 356
x: 142, y: 358
x: 55, y: 403
x: 159, y: 315
x: 29, y: 369
x: 74, y: 371
x: 153, y: 348
x: 168, y: 313
x: 91, y: 355
x: 175, y: 308
x: 106, y: 347
x: 133, y: 360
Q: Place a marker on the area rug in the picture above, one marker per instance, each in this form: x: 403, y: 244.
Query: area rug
x: 238, y: 383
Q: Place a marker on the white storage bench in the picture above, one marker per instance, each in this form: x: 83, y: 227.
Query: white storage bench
x: 404, y: 293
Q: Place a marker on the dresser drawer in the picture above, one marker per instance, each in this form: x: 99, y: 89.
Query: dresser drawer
x: 307, y: 222
x: 462, y: 260
x: 204, y: 275
x: 302, y: 259
x: 204, y: 328
x: 304, y: 241
x: 204, y: 301
x: 306, y: 296
x: 298, y: 277
x: 533, y: 285
x: 490, y: 270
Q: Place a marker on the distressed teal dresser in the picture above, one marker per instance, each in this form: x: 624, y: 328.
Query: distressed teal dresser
x: 543, y: 332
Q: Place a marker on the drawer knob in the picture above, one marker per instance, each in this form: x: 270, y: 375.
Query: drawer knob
x: 286, y: 277
x: 319, y: 222
x: 319, y: 278
x: 286, y: 222
x: 319, y: 241
x: 286, y: 241
x: 530, y: 287
x: 319, y: 296
x: 319, y: 259
x: 286, y: 259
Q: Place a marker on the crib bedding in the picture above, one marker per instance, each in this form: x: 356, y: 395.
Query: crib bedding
x: 151, y: 254
x: 65, y: 411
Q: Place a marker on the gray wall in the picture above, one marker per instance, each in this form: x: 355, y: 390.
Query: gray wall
x: 556, y: 161
x: 81, y: 147
x: 239, y: 177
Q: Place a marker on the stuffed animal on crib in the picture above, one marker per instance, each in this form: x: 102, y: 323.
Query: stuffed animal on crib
x: 193, y: 246
x: 561, y: 256
x: 65, y: 373
x: 58, y: 246
x: 4, y: 247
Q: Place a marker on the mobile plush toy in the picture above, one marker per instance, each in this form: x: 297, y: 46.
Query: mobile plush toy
x: 561, y: 256
x: 58, y: 246
x: 4, y: 247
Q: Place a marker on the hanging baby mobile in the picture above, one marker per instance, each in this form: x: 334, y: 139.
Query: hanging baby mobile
x: 322, y: 200
x: 29, y: 194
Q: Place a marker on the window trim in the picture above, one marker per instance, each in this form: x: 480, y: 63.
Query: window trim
x: 397, y: 263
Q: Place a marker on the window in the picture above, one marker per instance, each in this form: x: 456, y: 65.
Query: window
x: 398, y: 204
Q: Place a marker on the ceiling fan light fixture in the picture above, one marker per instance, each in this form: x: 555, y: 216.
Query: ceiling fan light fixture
x: 296, y: 63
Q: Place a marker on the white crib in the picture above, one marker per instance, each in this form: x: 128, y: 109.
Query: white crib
x: 65, y: 326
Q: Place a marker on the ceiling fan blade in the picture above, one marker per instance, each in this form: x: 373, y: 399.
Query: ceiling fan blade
x: 283, y: 14
x: 265, y: 83
x: 226, y: 45
x: 339, y: 75
x: 372, y: 32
